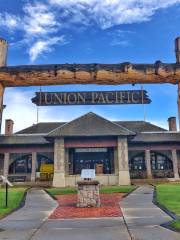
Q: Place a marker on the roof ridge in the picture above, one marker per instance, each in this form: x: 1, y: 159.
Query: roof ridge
x: 92, y: 113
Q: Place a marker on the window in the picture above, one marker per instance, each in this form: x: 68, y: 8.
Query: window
x: 20, y: 163
x: 92, y: 158
x: 44, y: 158
x: 137, y: 162
x: 160, y: 161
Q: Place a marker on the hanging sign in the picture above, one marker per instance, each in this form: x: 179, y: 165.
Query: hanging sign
x: 91, y: 98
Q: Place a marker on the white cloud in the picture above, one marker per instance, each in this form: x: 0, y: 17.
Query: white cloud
x: 39, y: 20
x: 24, y: 113
x: 38, y: 24
x: 42, y: 21
x: 42, y: 46
x: 120, y: 37
x: 107, y: 13
x: 19, y: 108
x: 10, y: 21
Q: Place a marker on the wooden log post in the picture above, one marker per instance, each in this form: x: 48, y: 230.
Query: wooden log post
x: 3, y: 57
x: 178, y: 102
x: 177, y: 51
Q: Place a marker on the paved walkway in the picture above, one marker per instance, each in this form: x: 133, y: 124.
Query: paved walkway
x: 67, y: 207
x: 25, y: 222
x: 31, y: 223
x: 143, y: 218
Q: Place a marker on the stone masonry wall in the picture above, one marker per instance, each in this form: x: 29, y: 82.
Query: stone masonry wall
x: 88, y: 194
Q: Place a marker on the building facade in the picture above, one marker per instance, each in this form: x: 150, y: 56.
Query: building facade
x: 119, y: 151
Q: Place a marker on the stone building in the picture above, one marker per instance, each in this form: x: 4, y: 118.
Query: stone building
x: 120, y: 151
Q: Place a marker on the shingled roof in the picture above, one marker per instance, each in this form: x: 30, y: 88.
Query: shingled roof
x: 156, y: 137
x: 41, y: 128
x: 134, y: 126
x: 90, y: 124
x: 140, y: 126
x: 22, y: 139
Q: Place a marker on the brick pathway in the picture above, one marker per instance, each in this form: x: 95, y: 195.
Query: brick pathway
x: 67, y: 207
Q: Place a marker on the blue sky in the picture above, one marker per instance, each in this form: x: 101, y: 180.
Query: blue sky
x: 90, y: 31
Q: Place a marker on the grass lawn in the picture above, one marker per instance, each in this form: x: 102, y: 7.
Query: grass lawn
x: 15, y: 197
x: 104, y: 189
x: 168, y: 195
x: 117, y: 189
x: 176, y: 224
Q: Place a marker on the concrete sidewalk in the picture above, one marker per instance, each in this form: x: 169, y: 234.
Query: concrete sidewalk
x: 84, y: 229
x: 31, y: 223
x: 142, y: 221
x: 25, y: 222
x: 143, y: 218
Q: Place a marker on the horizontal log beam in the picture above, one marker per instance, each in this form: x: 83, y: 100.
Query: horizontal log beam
x: 110, y: 74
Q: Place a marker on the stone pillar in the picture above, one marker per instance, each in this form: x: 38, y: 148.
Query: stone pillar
x: 122, y: 152
x: 148, y: 163
x: 175, y: 163
x: 116, y: 165
x: 66, y: 162
x: 6, y: 164
x: 59, y: 163
x: 33, y: 167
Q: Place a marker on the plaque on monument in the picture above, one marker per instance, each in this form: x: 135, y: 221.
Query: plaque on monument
x: 88, y: 173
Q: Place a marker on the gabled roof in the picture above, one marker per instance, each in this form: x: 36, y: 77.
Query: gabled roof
x: 90, y: 124
x: 140, y: 126
x: 42, y: 128
x: 157, y: 137
x: 134, y: 126
x: 23, y: 139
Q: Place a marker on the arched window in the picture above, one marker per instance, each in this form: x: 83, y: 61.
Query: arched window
x: 160, y: 161
x: 137, y: 162
x: 21, y: 164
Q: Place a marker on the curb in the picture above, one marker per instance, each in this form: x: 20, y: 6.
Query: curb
x: 52, y: 196
x: 163, y: 208
x: 127, y: 194
x: 22, y: 203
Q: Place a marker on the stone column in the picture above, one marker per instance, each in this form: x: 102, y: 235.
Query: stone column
x: 175, y: 163
x: 122, y: 152
x: 1, y: 103
x: 116, y: 165
x: 66, y: 162
x: 59, y: 163
x: 33, y: 167
x: 148, y: 164
x: 6, y: 164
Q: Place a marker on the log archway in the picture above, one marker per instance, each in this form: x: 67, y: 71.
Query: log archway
x: 108, y: 74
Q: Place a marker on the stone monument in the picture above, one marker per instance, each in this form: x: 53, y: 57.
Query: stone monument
x: 88, y: 190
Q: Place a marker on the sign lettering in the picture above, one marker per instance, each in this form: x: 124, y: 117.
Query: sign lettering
x: 91, y: 98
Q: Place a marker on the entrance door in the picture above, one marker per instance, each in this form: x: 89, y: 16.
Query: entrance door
x: 88, y: 159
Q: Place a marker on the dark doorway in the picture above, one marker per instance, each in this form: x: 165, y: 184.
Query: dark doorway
x: 90, y: 158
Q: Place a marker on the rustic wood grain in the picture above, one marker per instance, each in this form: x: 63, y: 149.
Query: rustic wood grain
x: 3, y: 57
x: 58, y: 74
